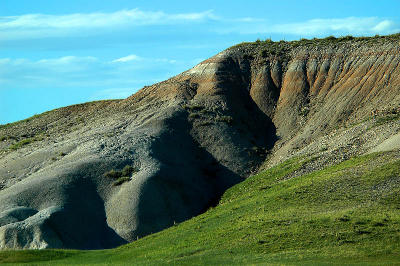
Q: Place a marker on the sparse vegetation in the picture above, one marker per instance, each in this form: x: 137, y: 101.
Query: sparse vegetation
x: 226, y: 119
x: 121, y: 180
x: 121, y: 176
x: 258, y: 150
x: 22, y: 143
x: 206, y: 123
x: 194, y: 115
x: 269, y: 48
x: 330, y: 38
x: 192, y: 108
x: 346, y: 38
x: 38, y: 127
x: 324, y: 148
x: 128, y: 170
x: 272, y: 49
x: 385, y: 119
x: 197, y: 111
x: 204, y: 111
x: 304, y: 111
x: 113, y: 174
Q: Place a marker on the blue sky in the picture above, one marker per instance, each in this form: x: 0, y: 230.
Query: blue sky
x: 57, y: 53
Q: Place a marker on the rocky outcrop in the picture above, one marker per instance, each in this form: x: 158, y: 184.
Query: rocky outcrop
x: 187, y: 140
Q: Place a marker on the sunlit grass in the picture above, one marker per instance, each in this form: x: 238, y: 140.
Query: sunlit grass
x: 347, y: 213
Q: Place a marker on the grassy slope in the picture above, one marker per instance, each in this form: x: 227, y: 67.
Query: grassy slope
x: 345, y: 213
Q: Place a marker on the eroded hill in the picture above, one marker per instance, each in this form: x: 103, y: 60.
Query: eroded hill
x: 102, y: 174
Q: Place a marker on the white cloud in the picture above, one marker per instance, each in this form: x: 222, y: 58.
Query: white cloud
x: 67, y: 60
x: 87, y: 72
x: 384, y: 26
x: 317, y: 27
x: 353, y: 25
x: 128, y: 58
x: 5, y: 60
x: 249, y: 19
x: 64, y: 60
x: 41, y: 25
x: 165, y: 60
x: 133, y: 57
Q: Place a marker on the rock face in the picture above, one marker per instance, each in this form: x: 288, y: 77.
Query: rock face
x: 190, y: 138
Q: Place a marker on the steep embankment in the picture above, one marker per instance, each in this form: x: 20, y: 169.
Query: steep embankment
x: 176, y: 146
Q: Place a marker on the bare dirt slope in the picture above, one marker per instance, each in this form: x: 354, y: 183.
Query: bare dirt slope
x: 191, y: 137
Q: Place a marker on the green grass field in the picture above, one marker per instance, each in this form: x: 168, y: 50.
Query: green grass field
x: 344, y: 214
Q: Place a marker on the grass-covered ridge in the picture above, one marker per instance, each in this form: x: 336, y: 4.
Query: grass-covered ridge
x: 272, y: 50
x: 347, y: 213
x: 325, y: 41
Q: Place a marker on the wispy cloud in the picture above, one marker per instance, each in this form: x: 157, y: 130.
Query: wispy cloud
x: 22, y: 70
x: 317, y: 27
x: 41, y: 25
x: 127, y: 58
x: 68, y: 60
x: 88, y: 71
x: 350, y: 25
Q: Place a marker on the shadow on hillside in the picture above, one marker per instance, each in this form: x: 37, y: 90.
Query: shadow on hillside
x: 190, y: 179
x: 188, y: 182
x: 81, y: 223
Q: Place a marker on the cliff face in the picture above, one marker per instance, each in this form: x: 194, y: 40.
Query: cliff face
x: 190, y: 138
